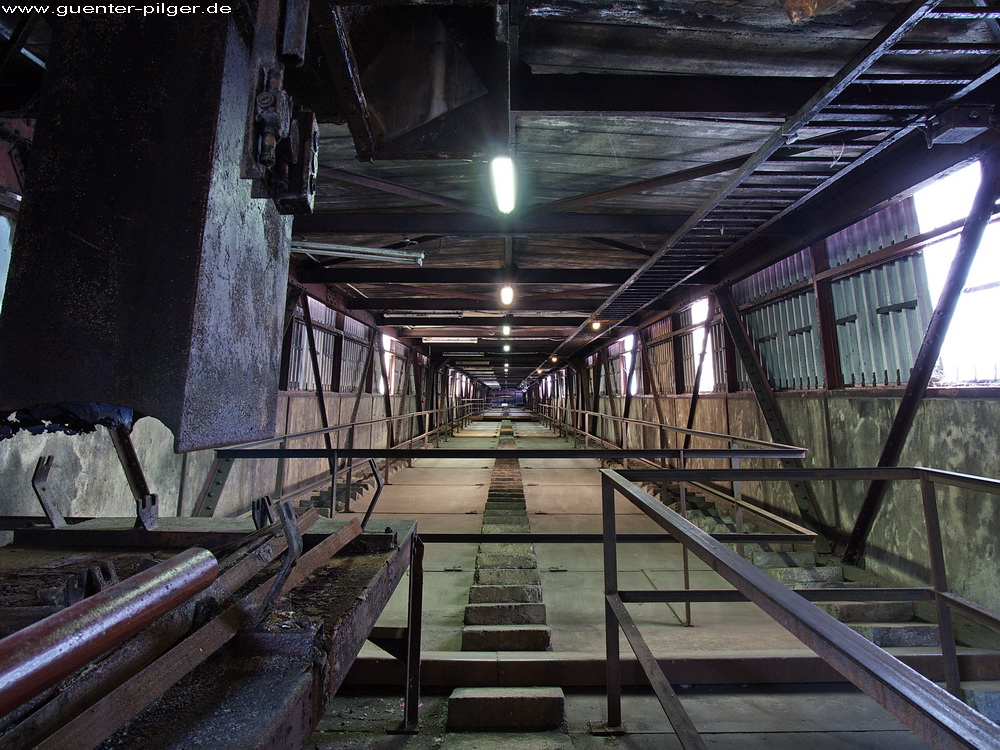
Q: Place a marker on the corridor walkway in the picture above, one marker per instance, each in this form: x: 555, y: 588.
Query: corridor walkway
x: 563, y: 496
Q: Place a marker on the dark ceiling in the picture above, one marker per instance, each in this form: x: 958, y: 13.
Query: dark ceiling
x: 662, y: 148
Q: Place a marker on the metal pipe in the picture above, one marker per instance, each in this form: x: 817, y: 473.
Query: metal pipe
x: 42, y: 654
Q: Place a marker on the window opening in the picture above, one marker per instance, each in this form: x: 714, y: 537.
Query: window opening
x: 970, y: 354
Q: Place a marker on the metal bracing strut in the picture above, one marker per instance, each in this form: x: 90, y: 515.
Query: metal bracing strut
x: 805, y: 499
x: 930, y: 349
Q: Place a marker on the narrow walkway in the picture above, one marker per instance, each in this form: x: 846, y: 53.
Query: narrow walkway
x: 563, y: 496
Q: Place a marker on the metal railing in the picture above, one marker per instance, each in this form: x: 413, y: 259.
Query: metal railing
x: 935, y: 714
x: 433, y: 424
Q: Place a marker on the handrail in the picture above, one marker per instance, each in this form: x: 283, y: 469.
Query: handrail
x: 218, y: 472
x: 671, y: 428
x: 933, y: 713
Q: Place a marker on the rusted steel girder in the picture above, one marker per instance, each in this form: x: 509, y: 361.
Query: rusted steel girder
x: 40, y: 655
x: 930, y: 349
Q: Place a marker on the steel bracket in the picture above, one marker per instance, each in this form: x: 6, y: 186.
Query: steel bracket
x: 40, y: 484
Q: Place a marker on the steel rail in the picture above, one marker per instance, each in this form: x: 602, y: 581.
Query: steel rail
x: 678, y: 430
x: 405, y: 453
x: 42, y: 654
x: 128, y: 699
x: 931, y: 712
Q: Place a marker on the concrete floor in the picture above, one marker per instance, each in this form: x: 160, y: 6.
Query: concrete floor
x: 824, y: 718
x: 564, y: 496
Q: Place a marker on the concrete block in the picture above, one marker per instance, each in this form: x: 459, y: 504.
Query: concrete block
x: 500, y: 709
x: 830, y: 574
x: 506, y: 638
x: 506, y: 561
x: 784, y: 559
x: 502, y: 548
x: 508, y: 577
x: 869, y: 611
x: 506, y: 528
x: 508, y: 613
x: 984, y: 696
x: 492, y: 594
x: 888, y: 634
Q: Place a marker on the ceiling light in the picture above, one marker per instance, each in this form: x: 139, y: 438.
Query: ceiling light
x: 502, y: 176
x: 507, y: 294
x: 554, y: 358
x: 449, y: 340
x: 538, y: 372
x: 506, y: 347
x: 386, y: 254
x: 505, y: 330
x: 596, y: 325
x: 506, y: 366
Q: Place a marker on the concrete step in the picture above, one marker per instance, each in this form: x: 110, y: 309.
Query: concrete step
x: 869, y: 611
x: 984, y: 696
x: 506, y: 638
x: 506, y: 528
x: 888, y: 634
x: 489, y: 511
x: 506, y: 548
x: 482, y: 594
x: 504, y: 505
x: 829, y: 574
x: 506, y: 561
x: 509, y: 613
x: 508, y: 577
x: 784, y: 559
x: 503, y: 709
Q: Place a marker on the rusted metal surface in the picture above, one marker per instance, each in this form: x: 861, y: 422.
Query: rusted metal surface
x: 40, y: 484
x: 135, y: 694
x: 147, y: 296
x: 931, y: 712
x: 42, y: 654
x: 926, y: 359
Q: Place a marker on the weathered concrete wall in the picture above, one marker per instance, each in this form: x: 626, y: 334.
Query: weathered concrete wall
x: 848, y: 431
x: 87, y: 480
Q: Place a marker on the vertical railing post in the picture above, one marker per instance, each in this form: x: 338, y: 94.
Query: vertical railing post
x: 684, y: 550
x: 279, y: 473
x: 939, y: 582
x: 613, y: 661
x: 413, y: 629
x: 734, y: 463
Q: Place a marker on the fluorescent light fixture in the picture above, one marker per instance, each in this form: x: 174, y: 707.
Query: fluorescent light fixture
x: 505, y: 330
x: 507, y: 294
x: 385, y: 254
x: 502, y: 176
x: 449, y: 340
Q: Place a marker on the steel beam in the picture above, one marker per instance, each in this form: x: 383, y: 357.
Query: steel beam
x: 387, y: 186
x: 930, y: 349
x: 460, y: 303
x: 328, y: 25
x: 463, y: 224
x: 805, y: 499
x: 431, y: 275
